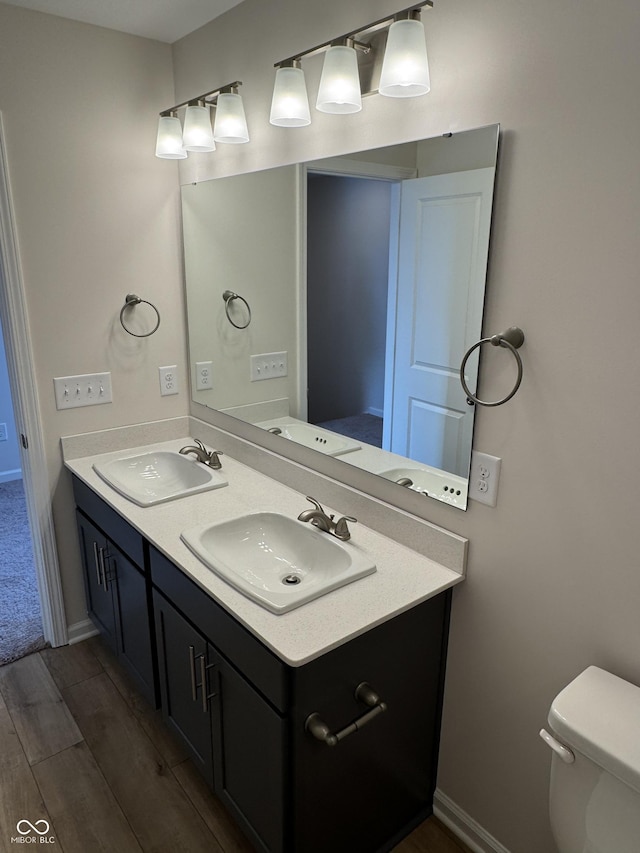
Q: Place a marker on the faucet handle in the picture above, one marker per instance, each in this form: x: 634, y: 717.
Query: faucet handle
x: 199, y: 444
x: 315, y: 503
x: 341, y: 529
x: 214, y: 460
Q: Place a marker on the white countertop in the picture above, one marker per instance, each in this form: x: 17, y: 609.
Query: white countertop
x: 403, y: 578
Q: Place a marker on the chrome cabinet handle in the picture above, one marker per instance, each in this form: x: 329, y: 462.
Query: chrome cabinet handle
x: 192, y: 672
x: 102, y: 555
x: 364, y: 693
x: 204, y: 667
x: 97, y: 563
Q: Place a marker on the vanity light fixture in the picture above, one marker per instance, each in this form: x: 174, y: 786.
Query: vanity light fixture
x: 388, y: 56
x: 230, y: 126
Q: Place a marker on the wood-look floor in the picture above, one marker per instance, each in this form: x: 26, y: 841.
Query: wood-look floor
x: 80, y: 749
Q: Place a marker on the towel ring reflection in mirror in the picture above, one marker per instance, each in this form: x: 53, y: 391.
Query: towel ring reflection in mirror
x: 130, y: 301
x: 229, y: 297
x: 512, y: 340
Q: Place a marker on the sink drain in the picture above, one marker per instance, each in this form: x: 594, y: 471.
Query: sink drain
x: 291, y: 580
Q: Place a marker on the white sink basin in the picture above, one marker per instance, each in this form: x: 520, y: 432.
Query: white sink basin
x: 446, y: 487
x: 152, y: 478
x: 309, y: 435
x: 279, y: 562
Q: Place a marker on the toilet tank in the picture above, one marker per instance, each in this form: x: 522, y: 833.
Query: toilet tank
x: 595, y: 800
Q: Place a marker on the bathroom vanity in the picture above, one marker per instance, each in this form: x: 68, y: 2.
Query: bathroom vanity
x: 318, y: 728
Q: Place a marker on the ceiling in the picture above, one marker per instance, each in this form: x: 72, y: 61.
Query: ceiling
x: 163, y: 20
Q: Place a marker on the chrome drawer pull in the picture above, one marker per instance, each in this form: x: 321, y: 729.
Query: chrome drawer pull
x: 364, y: 693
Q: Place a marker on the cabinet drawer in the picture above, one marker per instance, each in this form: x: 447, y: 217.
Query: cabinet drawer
x: 108, y: 520
x: 259, y: 665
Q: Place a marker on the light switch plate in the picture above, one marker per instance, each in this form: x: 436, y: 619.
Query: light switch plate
x: 87, y: 389
x: 268, y: 365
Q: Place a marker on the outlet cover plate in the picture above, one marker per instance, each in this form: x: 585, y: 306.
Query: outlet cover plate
x: 204, y: 375
x: 168, y: 380
x: 484, y: 478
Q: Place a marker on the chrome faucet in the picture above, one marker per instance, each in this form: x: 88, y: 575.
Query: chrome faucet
x: 210, y: 458
x: 320, y: 519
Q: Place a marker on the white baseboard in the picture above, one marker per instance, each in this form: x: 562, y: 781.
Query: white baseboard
x: 80, y: 631
x: 9, y: 476
x: 464, y: 826
x: 371, y: 410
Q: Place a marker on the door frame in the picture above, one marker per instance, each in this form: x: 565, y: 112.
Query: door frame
x: 22, y: 382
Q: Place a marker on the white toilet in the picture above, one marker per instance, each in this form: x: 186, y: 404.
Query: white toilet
x: 594, y: 797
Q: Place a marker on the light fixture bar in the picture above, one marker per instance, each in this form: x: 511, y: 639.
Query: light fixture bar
x: 367, y: 29
x: 208, y: 97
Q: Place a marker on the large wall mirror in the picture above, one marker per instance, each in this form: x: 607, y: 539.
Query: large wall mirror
x: 331, y: 303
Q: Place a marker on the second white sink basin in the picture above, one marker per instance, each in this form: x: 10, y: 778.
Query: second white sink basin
x: 279, y: 562
x: 323, y: 440
x: 151, y: 478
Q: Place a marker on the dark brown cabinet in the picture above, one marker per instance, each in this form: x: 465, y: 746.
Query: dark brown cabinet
x: 338, y: 754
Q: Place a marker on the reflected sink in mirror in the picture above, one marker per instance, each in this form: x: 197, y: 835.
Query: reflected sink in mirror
x: 279, y: 562
x: 311, y: 436
x: 155, y: 477
x: 431, y: 483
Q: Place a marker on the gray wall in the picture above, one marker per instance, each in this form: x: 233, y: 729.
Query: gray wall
x: 553, y: 582
x: 97, y: 217
x: 348, y: 221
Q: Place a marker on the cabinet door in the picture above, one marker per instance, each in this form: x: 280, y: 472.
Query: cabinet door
x: 249, y: 756
x: 377, y: 782
x: 94, y: 553
x: 183, y: 660
x: 132, y: 618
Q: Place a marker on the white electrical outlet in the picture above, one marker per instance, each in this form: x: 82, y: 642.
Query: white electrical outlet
x: 484, y: 478
x: 88, y: 389
x: 3, y: 432
x: 168, y: 380
x: 268, y: 365
x: 204, y: 378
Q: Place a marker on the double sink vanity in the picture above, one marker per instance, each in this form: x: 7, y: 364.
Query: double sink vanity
x: 298, y: 654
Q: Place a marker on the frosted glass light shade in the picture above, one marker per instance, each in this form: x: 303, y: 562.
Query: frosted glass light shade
x: 290, y: 103
x: 169, y: 140
x: 197, y: 134
x: 405, y: 69
x: 339, y: 90
x: 230, y: 124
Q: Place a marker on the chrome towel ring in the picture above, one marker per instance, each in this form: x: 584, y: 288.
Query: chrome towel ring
x: 229, y: 296
x: 512, y: 340
x: 130, y: 301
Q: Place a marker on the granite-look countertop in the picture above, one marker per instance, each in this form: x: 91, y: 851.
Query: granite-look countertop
x: 403, y: 578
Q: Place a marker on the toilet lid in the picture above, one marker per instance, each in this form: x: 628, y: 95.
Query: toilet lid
x: 598, y: 715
